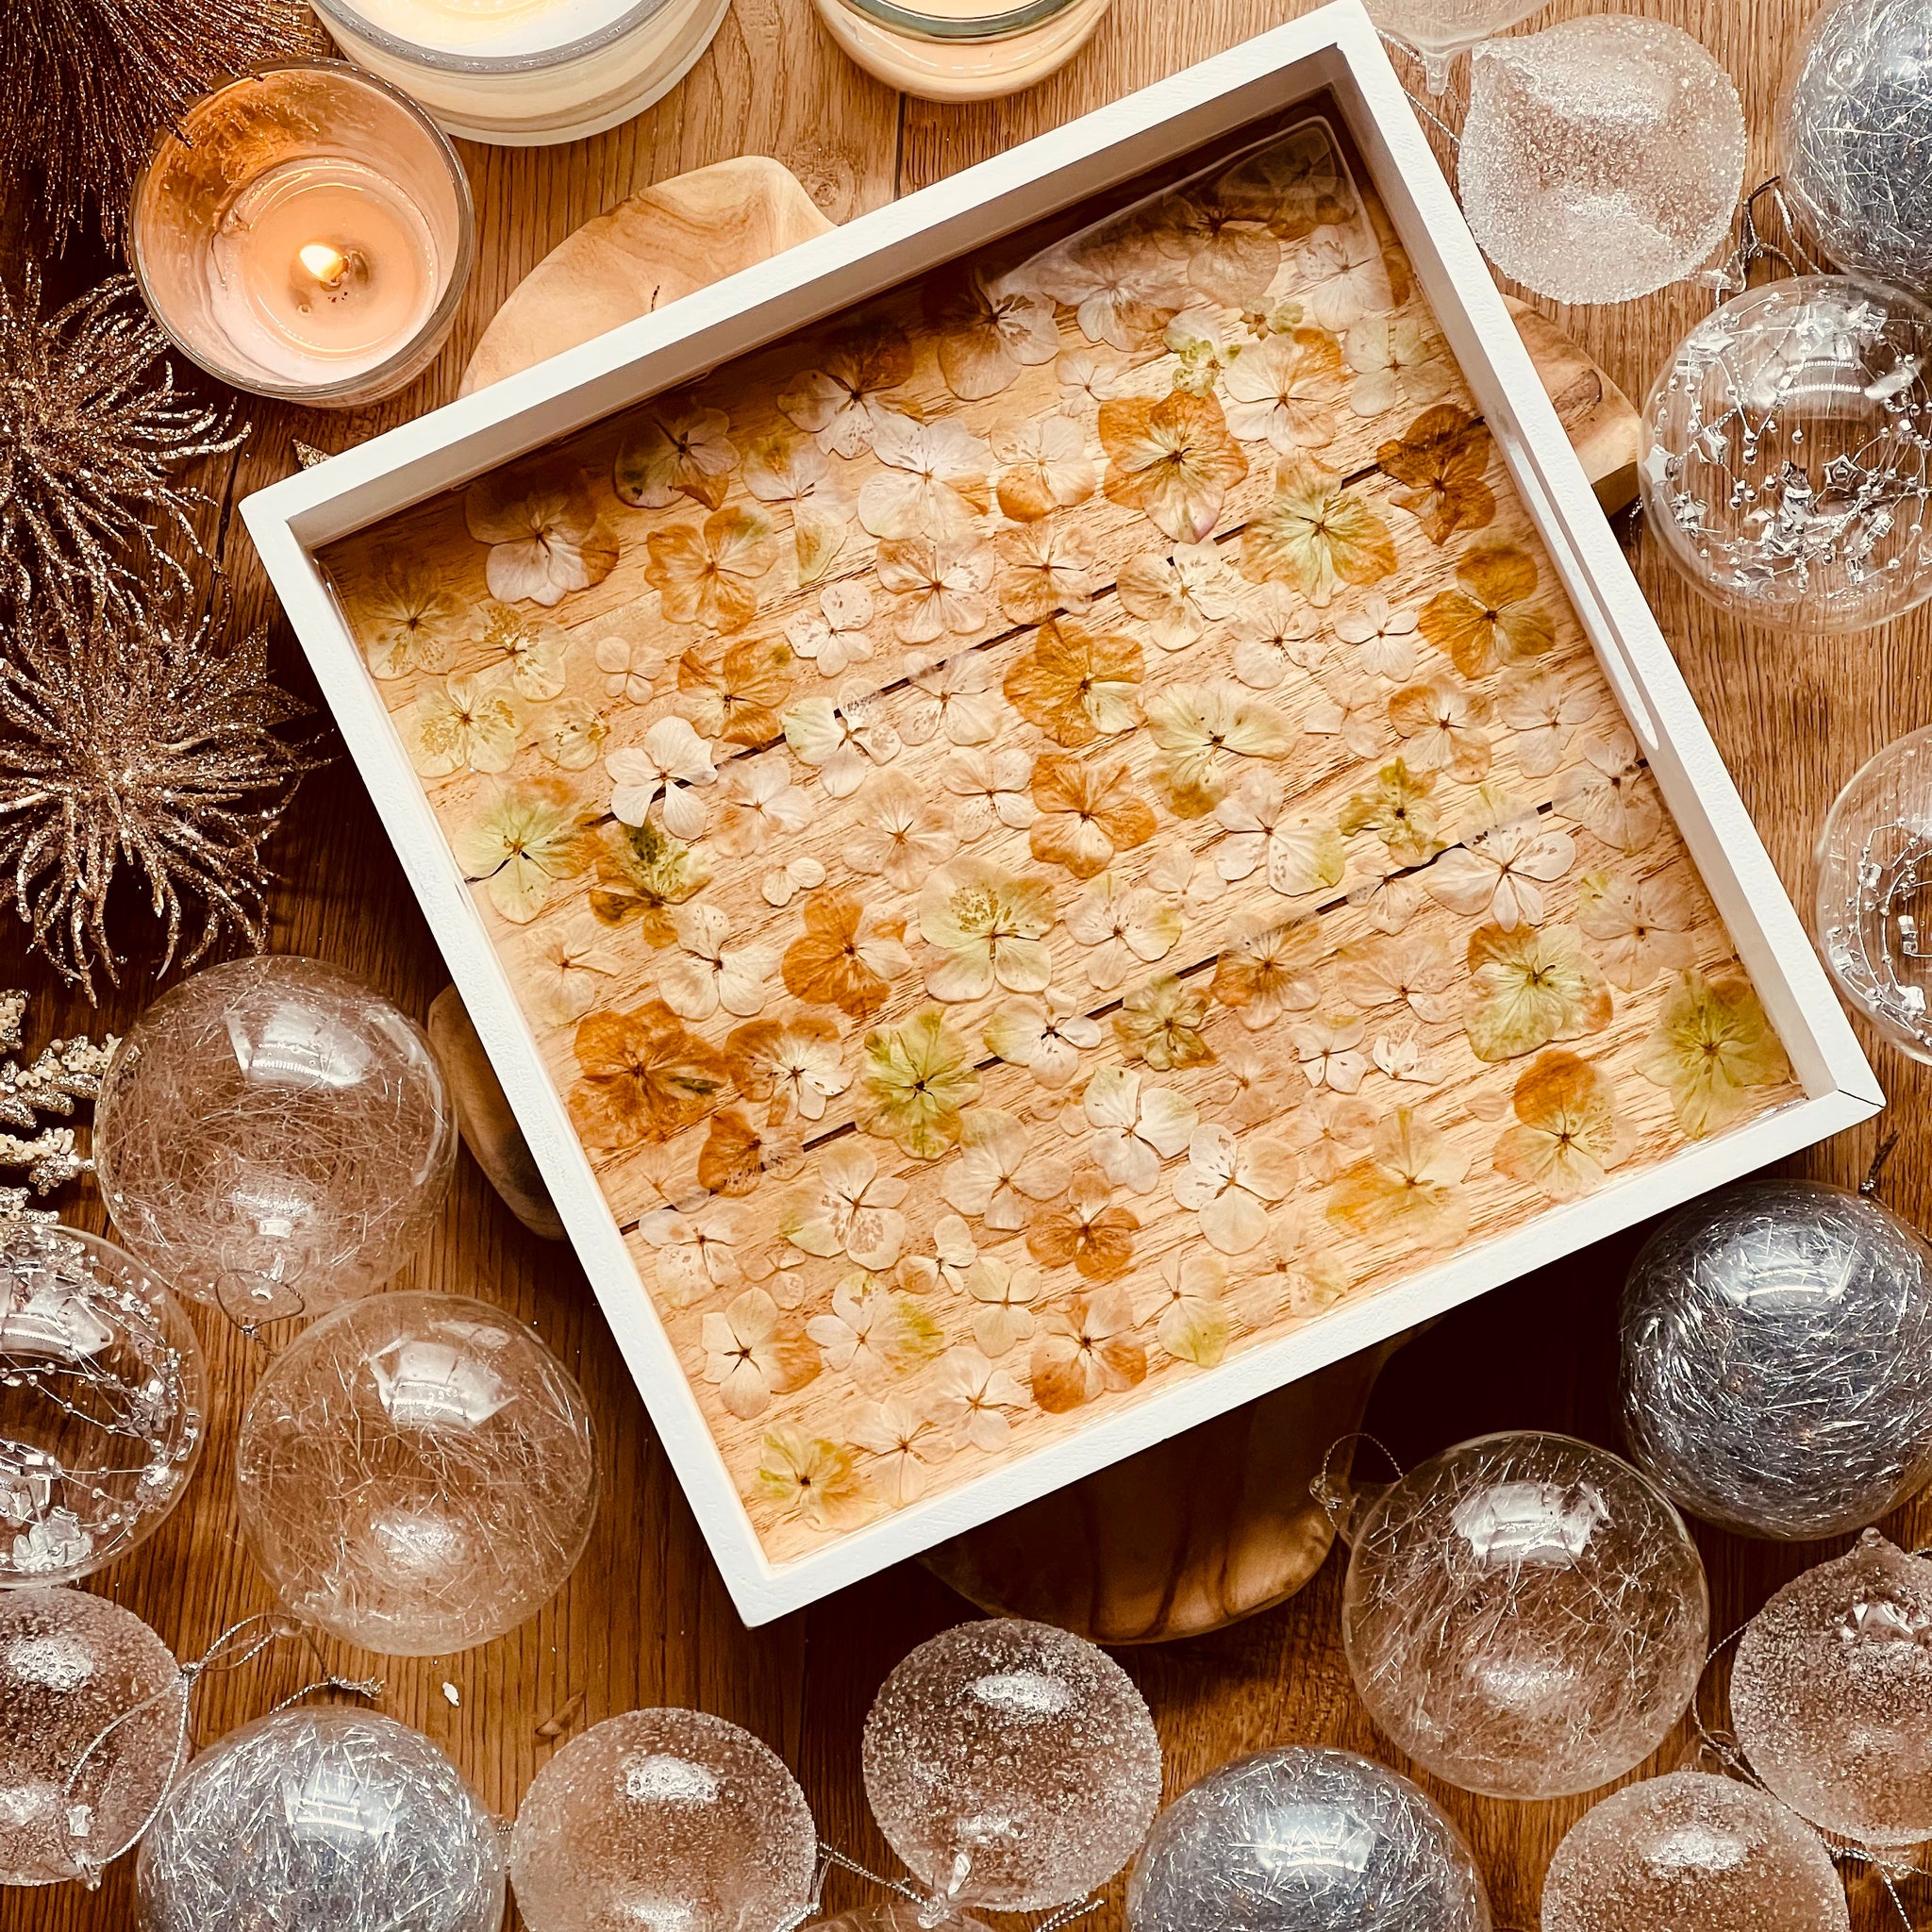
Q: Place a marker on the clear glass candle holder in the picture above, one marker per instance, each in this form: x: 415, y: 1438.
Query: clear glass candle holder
x: 305, y: 232
x: 526, y: 73
x: 962, y: 50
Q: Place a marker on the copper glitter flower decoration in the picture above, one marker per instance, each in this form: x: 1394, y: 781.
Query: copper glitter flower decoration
x: 90, y: 435
x: 86, y: 85
x: 140, y: 744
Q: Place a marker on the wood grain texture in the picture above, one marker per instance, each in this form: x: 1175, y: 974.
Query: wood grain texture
x: 644, y: 1621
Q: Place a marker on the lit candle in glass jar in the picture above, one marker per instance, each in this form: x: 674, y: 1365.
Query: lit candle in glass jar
x: 306, y: 234
x: 525, y: 72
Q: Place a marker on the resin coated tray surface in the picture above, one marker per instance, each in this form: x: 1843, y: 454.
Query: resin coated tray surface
x: 1053, y: 830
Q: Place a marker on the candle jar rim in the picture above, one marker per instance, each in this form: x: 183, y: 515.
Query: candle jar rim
x: 343, y: 13
x: 923, y: 23
x: 370, y: 384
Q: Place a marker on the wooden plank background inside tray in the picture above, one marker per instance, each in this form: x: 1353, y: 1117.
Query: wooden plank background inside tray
x: 842, y: 1385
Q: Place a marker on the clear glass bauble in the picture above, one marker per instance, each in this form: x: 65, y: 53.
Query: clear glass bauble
x: 1855, y: 137
x: 1778, y: 1359
x: 274, y: 1138
x: 1526, y: 1615
x: 417, y: 1473
x: 1304, y: 1841
x: 663, y: 1819
x: 321, y: 1820
x: 1692, y: 1853
x: 1011, y: 1765
x: 1831, y: 1695
x: 103, y: 1399
x: 1600, y: 158
x: 1441, y: 30
x: 91, y: 1706
x: 1874, y: 892
x: 1784, y: 467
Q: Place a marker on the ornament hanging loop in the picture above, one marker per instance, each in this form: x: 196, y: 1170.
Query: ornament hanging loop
x: 1339, y: 1497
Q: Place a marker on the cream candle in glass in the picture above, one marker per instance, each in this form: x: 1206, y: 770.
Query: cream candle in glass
x: 961, y: 50
x: 305, y: 232
x: 526, y: 73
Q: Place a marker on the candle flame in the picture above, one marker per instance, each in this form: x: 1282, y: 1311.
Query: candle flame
x: 326, y: 264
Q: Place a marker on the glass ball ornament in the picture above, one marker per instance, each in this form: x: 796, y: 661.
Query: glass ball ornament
x: 318, y: 1821
x: 671, y: 1820
x: 93, y: 1704
x: 1785, y: 444
x: 1304, y: 1841
x: 1855, y: 135
x: 417, y: 1473
x: 1776, y: 1370
x: 1831, y: 1695
x: 1524, y: 1614
x: 1439, y: 30
x: 1692, y: 1853
x: 1601, y: 158
x: 102, y: 1400
x: 1012, y: 1766
x: 274, y: 1138
x: 1874, y: 892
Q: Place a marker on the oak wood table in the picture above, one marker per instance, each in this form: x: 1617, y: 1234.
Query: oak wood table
x: 646, y: 1620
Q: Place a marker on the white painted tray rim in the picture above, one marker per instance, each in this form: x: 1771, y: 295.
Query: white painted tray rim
x: 1336, y: 47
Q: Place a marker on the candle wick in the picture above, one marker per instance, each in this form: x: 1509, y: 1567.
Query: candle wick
x: 327, y: 265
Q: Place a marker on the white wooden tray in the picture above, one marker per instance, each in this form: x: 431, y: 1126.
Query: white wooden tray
x: 809, y: 1388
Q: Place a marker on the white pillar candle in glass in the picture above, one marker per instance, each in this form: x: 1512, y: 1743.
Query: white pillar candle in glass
x: 526, y: 73
x: 961, y: 50
x: 305, y: 232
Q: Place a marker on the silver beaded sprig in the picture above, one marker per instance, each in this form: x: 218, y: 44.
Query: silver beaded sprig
x: 47, y: 1088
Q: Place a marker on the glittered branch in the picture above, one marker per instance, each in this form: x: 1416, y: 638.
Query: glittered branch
x: 140, y: 744
x: 86, y: 85
x: 91, y: 434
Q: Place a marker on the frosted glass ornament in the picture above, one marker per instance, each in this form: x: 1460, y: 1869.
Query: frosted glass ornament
x: 1692, y: 1853
x: 321, y: 1820
x: 673, y: 1821
x: 1831, y: 1695
x: 417, y: 1473
x: 1012, y: 1766
x: 1855, y: 135
x: 1785, y: 443
x: 1875, y: 892
x: 102, y: 1398
x: 1441, y: 30
x: 1601, y: 159
x: 1304, y: 1841
x: 1524, y: 1614
x: 93, y: 1703
x: 897, y: 1918
x: 1778, y: 1359
x: 274, y: 1138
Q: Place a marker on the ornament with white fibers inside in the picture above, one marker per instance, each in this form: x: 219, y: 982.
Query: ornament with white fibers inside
x: 1854, y: 136
x: 1524, y: 1614
x: 1831, y: 1695
x: 274, y: 1138
x: 1304, y: 1841
x: 1692, y: 1853
x: 673, y: 1821
x: 417, y: 1473
x: 321, y: 1820
x: 1011, y: 1765
x: 1777, y: 1359
x: 93, y: 1704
